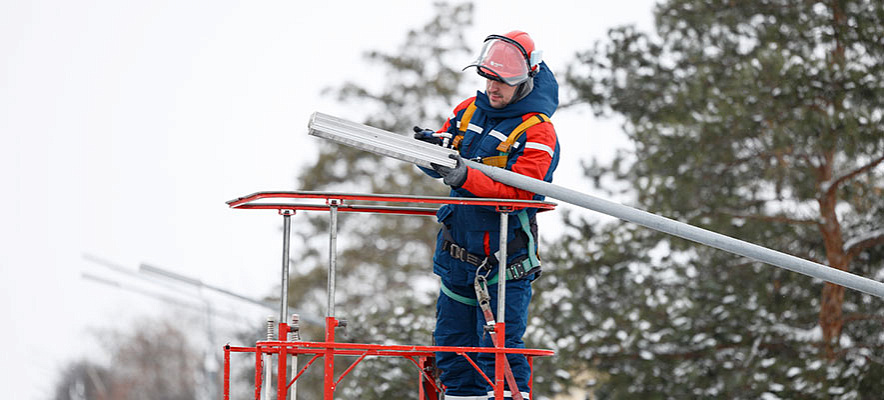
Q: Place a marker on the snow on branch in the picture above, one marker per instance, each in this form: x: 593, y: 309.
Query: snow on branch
x: 853, y: 246
x: 850, y: 175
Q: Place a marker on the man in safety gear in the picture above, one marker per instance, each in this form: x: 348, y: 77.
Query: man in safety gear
x: 506, y: 126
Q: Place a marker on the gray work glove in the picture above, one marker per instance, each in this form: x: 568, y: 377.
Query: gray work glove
x: 454, y: 177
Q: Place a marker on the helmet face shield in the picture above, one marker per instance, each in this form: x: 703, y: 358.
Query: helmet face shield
x: 502, y: 60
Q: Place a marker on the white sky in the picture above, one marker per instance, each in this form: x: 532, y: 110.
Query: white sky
x: 127, y: 125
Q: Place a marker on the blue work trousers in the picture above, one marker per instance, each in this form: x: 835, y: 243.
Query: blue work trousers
x: 460, y: 324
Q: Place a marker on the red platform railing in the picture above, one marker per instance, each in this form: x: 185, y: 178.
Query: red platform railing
x: 287, y: 204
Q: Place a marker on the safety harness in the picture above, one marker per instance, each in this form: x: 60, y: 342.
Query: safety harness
x: 522, y: 267
x: 519, y: 269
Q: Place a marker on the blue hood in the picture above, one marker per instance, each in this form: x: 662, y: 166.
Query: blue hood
x: 544, y: 98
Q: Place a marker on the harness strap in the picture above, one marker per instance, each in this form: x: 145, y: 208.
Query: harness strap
x: 507, y: 145
x: 532, y: 247
x: 467, y: 116
x: 514, y: 271
x: 518, y: 269
x: 496, y: 161
x: 464, y: 124
x: 455, y: 143
x: 504, y: 147
x: 458, y: 298
x: 459, y: 252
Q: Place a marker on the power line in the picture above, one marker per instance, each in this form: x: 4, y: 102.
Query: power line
x: 174, y: 276
x: 168, y: 299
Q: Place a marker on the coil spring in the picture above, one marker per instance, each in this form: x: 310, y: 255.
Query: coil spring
x: 271, y: 328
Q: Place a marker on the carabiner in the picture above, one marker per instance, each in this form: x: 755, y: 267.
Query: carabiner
x: 481, y: 267
x: 481, y: 286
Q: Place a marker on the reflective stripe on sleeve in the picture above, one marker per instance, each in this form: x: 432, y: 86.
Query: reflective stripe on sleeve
x: 539, y: 146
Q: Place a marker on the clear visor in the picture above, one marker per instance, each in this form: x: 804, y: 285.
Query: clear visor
x: 502, y: 61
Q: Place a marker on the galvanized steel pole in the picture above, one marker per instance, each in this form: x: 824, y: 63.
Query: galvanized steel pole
x: 332, y: 256
x: 683, y: 230
x: 284, y: 290
x: 501, y: 271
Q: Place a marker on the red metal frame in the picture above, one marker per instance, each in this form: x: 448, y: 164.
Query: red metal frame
x: 251, y: 202
x: 363, y: 350
x: 328, y: 349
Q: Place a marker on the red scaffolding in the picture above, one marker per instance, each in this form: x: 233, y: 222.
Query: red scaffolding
x: 421, y: 356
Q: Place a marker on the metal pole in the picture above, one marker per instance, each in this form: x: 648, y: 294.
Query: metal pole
x: 226, y: 381
x: 284, y: 290
x: 500, y: 362
x: 501, y: 274
x: 332, y: 257
x: 683, y: 230
x: 330, y: 321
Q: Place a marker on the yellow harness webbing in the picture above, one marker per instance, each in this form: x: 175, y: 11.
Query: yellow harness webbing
x: 506, y: 146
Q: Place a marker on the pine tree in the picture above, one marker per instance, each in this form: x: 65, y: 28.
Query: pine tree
x: 760, y: 120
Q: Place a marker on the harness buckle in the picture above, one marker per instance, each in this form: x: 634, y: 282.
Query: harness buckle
x: 472, y: 259
x: 516, y: 270
x: 457, y: 252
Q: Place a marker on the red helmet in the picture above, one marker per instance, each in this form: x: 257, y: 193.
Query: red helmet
x: 510, y: 58
x: 524, y: 40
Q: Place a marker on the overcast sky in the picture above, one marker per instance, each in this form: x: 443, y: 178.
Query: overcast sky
x: 127, y: 125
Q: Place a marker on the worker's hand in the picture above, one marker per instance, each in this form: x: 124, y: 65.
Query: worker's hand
x: 454, y: 177
x: 438, y: 138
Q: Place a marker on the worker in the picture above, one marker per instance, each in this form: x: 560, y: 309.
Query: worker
x: 507, y: 126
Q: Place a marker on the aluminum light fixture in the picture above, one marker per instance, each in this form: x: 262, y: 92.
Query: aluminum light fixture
x: 379, y: 141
